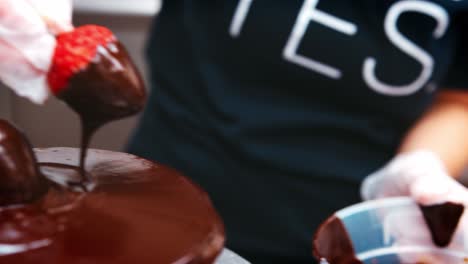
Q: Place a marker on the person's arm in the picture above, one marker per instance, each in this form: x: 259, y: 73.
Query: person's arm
x: 444, y: 131
x: 434, y: 150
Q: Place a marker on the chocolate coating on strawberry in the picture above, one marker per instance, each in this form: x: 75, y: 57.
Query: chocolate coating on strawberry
x: 108, y: 88
x: 20, y: 179
x: 93, y: 73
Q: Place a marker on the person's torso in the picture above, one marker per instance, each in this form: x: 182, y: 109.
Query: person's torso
x: 290, y: 82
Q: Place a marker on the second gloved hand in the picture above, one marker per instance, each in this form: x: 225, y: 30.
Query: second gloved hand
x: 421, y: 175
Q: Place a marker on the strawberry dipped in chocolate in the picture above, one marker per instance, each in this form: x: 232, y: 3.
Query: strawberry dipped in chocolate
x: 20, y: 179
x: 92, y: 73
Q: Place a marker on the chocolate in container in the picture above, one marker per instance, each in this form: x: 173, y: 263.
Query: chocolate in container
x: 379, y: 232
x: 136, y: 211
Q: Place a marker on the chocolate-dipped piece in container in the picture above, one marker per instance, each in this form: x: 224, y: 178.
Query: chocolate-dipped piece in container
x: 378, y: 232
x: 92, y: 73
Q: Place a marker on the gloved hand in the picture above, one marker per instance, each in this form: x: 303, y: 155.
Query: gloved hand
x: 421, y: 175
x: 27, y: 43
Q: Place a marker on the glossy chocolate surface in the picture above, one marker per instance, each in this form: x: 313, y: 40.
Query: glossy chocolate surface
x: 109, y: 88
x: 20, y: 180
x: 136, y: 212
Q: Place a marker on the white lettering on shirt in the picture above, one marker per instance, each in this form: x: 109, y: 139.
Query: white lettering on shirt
x: 309, y: 12
x: 239, y: 17
x: 408, y: 47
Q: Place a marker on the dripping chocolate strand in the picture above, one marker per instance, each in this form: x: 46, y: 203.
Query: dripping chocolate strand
x: 87, y: 131
x: 109, y: 88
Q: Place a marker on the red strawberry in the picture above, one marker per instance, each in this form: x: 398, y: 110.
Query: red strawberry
x: 92, y: 72
x: 74, y: 52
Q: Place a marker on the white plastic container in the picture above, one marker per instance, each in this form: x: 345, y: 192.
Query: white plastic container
x: 389, y: 231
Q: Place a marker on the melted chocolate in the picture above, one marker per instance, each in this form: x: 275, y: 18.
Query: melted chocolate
x: 137, y: 212
x: 333, y: 243
x: 20, y: 180
x: 109, y: 88
x: 442, y: 220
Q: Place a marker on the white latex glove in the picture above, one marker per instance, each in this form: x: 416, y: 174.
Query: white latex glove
x: 27, y: 43
x: 421, y: 175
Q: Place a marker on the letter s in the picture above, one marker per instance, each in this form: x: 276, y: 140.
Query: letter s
x: 408, y: 47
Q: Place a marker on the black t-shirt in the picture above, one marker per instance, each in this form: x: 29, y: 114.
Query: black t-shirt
x: 280, y: 108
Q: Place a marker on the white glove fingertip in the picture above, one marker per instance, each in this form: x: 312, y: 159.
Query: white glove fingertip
x: 56, y: 27
x: 368, y: 187
x: 429, y: 191
x: 56, y: 14
x: 22, y: 77
x: 35, y: 89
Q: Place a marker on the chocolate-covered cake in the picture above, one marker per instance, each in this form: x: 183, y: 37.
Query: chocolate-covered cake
x: 137, y: 212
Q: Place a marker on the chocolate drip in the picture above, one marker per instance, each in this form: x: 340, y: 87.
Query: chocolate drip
x: 20, y: 179
x: 109, y: 88
x: 87, y: 131
x: 442, y: 220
